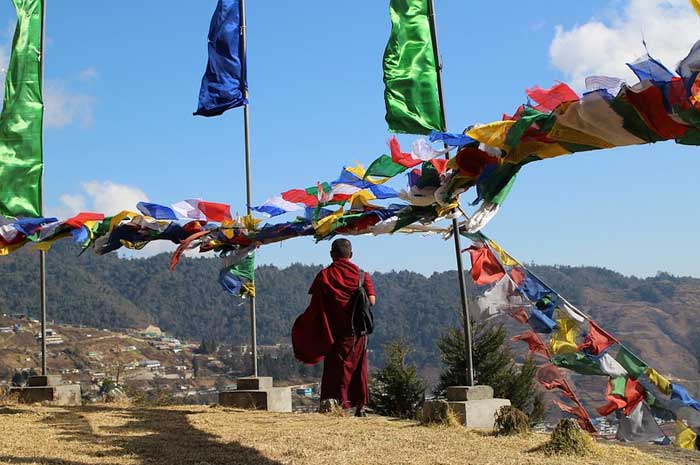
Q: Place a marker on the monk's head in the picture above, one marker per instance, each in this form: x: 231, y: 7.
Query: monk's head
x: 341, y: 248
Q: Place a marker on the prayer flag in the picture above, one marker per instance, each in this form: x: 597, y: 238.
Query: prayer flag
x: 662, y: 384
x: 597, y: 340
x: 503, y: 256
x: 485, y: 266
x: 224, y: 80
x: 563, y: 341
x: 384, y: 167
x: 159, y: 212
x: 678, y: 392
x: 582, y: 417
x: 410, y: 70
x: 533, y: 341
x: 611, y: 367
x: 239, y: 278
x: 402, y: 158
x: 696, y: 5
x: 549, y: 99
x: 630, y: 362
x: 454, y: 140
x: 21, y: 161
x: 648, y: 69
x: 686, y: 438
x: 502, y: 296
x: 577, y: 362
x: 639, y: 426
x: 275, y: 206
x: 541, y: 322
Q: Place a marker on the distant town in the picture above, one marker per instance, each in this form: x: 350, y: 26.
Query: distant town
x: 147, y: 362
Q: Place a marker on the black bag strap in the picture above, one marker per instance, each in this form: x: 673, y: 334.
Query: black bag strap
x: 362, y: 280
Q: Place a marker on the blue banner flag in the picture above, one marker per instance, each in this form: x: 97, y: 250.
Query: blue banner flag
x: 224, y: 80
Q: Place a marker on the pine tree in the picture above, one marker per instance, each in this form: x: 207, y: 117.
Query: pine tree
x: 494, y: 366
x: 396, y: 390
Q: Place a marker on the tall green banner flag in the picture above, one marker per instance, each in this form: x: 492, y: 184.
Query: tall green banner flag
x: 410, y: 70
x: 21, y: 118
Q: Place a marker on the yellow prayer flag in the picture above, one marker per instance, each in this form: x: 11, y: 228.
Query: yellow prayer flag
x: 696, y: 5
x: 250, y: 223
x: 8, y: 249
x: 659, y: 381
x: 564, y: 340
x: 493, y: 134
x: 685, y: 437
x: 324, y: 226
x: 505, y: 259
x: 119, y: 217
x: 360, y: 200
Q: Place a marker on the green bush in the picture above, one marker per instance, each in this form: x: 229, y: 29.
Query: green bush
x: 509, y: 421
x: 568, y: 439
x: 396, y: 390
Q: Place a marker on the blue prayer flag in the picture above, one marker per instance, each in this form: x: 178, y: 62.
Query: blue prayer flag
x: 533, y: 288
x: 681, y: 394
x: 649, y: 69
x: 159, y: 212
x: 541, y: 323
x: 224, y: 80
x: 454, y: 140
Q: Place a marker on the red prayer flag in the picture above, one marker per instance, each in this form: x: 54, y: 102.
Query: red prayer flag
x: 517, y: 275
x: 472, y: 161
x: 520, y: 315
x: 402, y: 158
x: 300, y: 196
x: 440, y: 164
x: 582, y: 417
x: 78, y: 221
x: 534, y: 343
x: 485, y: 266
x: 215, y: 211
x: 634, y: 394
x: 649, y: 103
x: 549, y: 99
x: 597, y: 339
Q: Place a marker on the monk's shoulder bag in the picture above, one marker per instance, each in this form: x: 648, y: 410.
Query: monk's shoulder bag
x: 362, y: 317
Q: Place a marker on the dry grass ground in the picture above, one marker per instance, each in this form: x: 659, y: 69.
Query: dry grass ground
x: 216, y: 436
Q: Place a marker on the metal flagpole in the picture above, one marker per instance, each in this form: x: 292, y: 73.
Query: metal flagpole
x: 249, y: 202
x: 455, y: 226
x: 42, y: 254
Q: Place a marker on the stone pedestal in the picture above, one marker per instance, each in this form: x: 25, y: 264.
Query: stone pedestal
x: 257, y: 394
x: 49, y: 390
x: 473, y: 406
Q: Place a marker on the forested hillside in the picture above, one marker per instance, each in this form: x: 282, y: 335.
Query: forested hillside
x: 659, y: 317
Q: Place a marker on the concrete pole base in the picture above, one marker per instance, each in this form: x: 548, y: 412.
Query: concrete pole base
x: 257, y: 394
x: 472, y: 406
x: 49, y: 390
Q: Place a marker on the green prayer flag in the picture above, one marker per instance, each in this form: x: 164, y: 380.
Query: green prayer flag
x: 630, y: 362
x: 384, y: 167
x: 618, y: 385
x: 577, y: 362
x: 21, y: 118
x: 410, y: 71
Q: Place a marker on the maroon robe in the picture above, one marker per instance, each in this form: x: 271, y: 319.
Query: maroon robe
x: 324, y: 332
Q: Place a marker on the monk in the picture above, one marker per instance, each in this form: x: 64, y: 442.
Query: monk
x: 324, y: 331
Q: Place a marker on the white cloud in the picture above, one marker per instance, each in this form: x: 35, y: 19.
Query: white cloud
x: 98, y: 196
x: 64, y: 107
x: 604, y: 45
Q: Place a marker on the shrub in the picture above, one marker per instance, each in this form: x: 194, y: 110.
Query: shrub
x: 509, y: 421
x: 568, y: 439
x: 396, y: 390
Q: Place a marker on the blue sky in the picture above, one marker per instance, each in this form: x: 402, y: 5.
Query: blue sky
x: 123, y: 78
